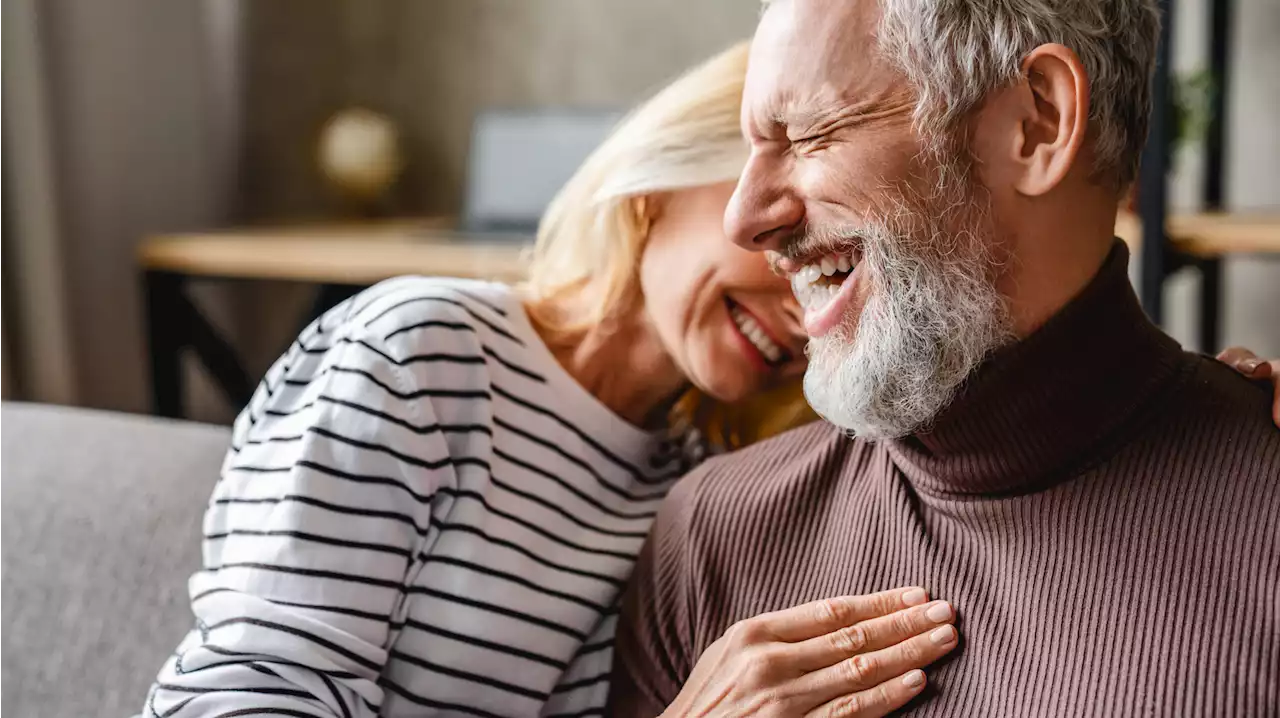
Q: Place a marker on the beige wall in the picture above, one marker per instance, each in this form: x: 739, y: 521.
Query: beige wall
x: 431, y: 65
x: 136, y: 152
x: 8, y: 389
x: 33, y: 267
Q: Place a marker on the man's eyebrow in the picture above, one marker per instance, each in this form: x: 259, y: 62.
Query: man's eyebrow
x: 763, y: 124
x: 801, y: 121
x: 815, y: 117
x: 782, y: 116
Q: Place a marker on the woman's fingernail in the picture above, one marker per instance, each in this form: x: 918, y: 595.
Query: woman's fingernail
x: 946, y: 634
x: 1250, y: 365
x: 914, y: 597
x: 939, y: 612
x: 913, y: 679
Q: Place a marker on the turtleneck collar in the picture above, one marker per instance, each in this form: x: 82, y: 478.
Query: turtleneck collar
x: 1037, y: 411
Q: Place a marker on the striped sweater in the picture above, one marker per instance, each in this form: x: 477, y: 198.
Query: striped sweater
x: 421, y: 513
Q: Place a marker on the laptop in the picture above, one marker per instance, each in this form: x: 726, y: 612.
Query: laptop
x: 520, y: 159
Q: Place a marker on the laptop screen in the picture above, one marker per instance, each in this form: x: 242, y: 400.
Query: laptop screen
x: 519, y: 160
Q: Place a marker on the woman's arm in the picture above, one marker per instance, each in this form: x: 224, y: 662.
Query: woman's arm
x: 319, y: 517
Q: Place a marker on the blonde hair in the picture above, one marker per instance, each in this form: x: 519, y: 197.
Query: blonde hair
x: 592, y: 236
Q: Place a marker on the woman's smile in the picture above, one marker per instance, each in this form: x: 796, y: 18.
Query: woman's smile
x: 760, y: 343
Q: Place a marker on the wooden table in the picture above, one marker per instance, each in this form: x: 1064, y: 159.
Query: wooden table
x: 1210, y: 235
x: 342, y: 259
x: 1201, y: 241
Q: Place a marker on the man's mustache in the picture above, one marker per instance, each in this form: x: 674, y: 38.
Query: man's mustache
x: 808, y: 242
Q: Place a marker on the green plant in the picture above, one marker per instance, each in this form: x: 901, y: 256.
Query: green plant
x: 1189, y: 111
x: 1191, y: 103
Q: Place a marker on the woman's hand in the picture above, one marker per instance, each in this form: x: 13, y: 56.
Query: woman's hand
x: 1249, y: 364
x: 847, y: 656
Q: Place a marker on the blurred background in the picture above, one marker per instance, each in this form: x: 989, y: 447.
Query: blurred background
x: 134, y: 119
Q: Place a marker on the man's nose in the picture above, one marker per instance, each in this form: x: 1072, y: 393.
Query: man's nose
x: 765, y: 208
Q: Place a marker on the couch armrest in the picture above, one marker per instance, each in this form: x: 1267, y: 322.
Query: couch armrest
x: 101, y: 528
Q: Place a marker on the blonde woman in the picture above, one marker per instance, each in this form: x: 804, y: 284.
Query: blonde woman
x: 432, y: 502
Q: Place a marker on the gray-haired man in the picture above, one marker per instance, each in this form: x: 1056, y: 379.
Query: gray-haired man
x: 1101, y: 508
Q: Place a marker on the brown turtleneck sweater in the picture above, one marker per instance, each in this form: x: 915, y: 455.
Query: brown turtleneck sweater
x: 1102, y: 508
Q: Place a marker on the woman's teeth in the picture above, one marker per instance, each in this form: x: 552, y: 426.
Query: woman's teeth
x: 816, y: 283
x: 757, y: 336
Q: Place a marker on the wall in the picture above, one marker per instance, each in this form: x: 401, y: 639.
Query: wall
x: 33, y: 271
x: 431, y: 65
x: 134, y: 149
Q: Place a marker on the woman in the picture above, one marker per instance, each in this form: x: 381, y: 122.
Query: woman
x: 433, y: 500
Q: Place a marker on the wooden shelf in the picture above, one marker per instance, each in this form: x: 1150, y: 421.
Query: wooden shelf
x: 1213, y: 234
x: 356, y: 254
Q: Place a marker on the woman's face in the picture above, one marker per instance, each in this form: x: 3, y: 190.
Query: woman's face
x: 729, y: 323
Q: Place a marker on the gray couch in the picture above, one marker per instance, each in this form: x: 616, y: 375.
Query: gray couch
x: 100, y: 530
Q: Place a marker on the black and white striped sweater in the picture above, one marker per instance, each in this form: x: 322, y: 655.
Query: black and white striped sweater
x: 421, y: 513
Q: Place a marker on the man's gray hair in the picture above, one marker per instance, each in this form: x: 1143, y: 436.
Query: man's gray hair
x: 954, y: 52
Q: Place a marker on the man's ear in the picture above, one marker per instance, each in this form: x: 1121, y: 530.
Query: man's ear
x: 1051, y: 110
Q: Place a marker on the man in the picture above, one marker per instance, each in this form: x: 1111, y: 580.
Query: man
x: 1101, y: 508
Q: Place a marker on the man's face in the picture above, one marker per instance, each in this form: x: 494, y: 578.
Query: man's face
x: 886, y: 239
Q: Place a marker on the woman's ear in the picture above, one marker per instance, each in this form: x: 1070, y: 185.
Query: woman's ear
x: 648, y: 209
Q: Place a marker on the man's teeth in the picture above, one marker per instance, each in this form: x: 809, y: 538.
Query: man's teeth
x: 752, y: 331
x: 804, y: 283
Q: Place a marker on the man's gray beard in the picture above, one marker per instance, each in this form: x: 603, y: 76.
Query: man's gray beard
x: 932, y: 316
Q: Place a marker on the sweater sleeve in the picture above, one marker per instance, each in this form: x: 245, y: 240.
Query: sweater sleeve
x: 319, y: 520
x: 655, y: 650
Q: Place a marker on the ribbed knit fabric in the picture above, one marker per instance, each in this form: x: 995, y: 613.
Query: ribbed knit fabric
x: 1102, y: 509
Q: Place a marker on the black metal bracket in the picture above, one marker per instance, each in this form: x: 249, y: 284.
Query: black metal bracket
x: 1208, y: 328
x: 175, y: 324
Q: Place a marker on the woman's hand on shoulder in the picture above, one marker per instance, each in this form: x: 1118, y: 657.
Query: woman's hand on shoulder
x: 1255, y: 367
x: 854, y: 656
